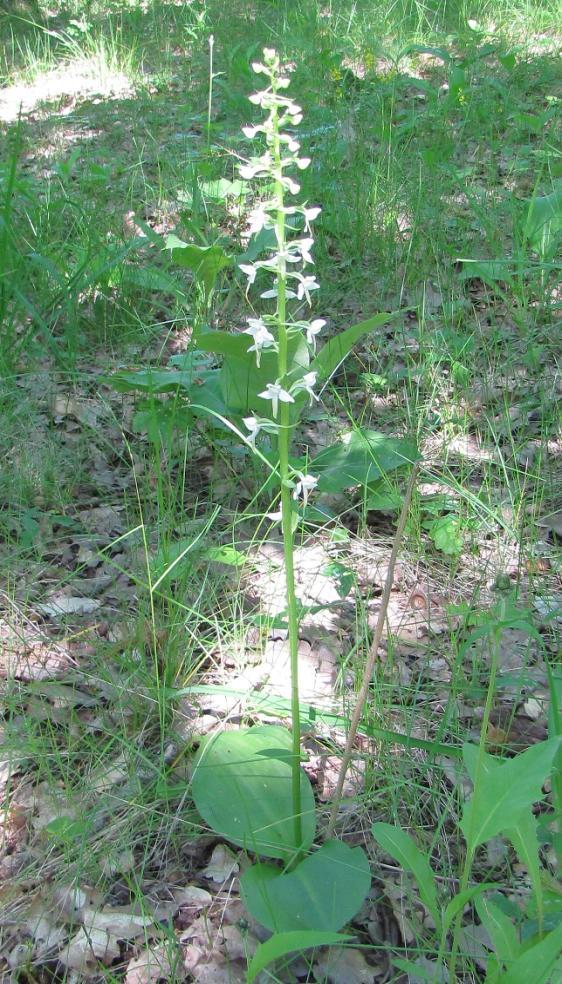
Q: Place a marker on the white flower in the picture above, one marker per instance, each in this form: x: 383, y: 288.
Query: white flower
x: 276, y: 393
x: 289, y: 184
x: 261, y: 336
x: 305, y: 286
x: 310, y: 214
x: 313, y: 329
x: 302, y: 162
x: 274, y: 292
x: 250, y: 131
x: 250, y: 270
x: 254, y: 426
x: 275, y: 517
x: 259, y: 219
x: 304, y: 486
x: 305, y: 385
x: 258, y: 68
x: 304, y: 246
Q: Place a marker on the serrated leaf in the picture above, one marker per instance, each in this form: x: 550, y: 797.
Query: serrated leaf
x: 323, y: 892
x: 445, y: 531
x: 242, y: 787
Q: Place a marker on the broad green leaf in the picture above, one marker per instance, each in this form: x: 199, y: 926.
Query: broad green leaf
x: 283, y: 943
x: 337, y: 348
x: 323, y: 892
x: 459, y: 901
x: 242, y: 381
x: 535, y: 965
x: 504, y: 791
x: 150, y: 380
x: 222, y: 188
x: 242, y: 788
x: 491, y: 272
x: 363, y: 458
x: 543, y: 227
x: 149, y: 278
x: 523, y: 834
x: 403, y: 848
x: 500, y: 929
x: 421, y: 969
x: 205, y: 262
x: 445, y: 531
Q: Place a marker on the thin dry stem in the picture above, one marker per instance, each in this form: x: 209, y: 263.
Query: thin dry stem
x: 373, y: 652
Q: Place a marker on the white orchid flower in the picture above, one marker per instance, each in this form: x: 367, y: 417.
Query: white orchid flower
x: 313, y: 329
x: 305, y: 485
x: 276, y: 393
x: 306, y: 284
x: 263, y: 339
x: 306, y: 385
x: 250, y: 270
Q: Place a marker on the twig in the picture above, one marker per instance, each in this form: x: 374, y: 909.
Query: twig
x: 371, y: 660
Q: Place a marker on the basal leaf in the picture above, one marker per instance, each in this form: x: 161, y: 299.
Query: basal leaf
x: 500, y: 929
x: 242, y: 788
x: 205, y: 262
x: 338, y: 347
x: 363, y: 458
x: 322, y: 893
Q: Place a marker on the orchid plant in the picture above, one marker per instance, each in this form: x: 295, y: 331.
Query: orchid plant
x: 249, y: 785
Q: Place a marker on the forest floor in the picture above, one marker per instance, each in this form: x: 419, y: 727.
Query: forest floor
x: 437, y: 161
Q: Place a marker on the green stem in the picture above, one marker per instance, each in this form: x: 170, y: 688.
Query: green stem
x: 284, y: 442
x: 470, y: 847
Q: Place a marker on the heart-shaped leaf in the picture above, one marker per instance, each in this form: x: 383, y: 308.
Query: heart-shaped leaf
x: 322, y: 893
x: 242, y: 787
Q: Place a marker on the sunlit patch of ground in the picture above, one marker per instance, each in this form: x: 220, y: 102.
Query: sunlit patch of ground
x: 75, y: 80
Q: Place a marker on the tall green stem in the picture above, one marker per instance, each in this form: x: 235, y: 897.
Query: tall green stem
x: 284, y: 442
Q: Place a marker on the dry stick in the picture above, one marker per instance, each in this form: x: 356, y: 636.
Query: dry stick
x: 363, y: 693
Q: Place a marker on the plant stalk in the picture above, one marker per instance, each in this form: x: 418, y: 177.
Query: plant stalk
x: 284, y: 442
x: 373, y: 653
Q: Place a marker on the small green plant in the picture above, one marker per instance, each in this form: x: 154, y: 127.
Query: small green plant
x: 526, y: 944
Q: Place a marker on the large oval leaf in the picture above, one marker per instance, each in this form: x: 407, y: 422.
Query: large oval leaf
x: 364, y: 458
x: 283, y: 943
x: 322, y: 893
x: 242, y: 788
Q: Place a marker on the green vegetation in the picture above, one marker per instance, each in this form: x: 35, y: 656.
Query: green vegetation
x: 143, y: 618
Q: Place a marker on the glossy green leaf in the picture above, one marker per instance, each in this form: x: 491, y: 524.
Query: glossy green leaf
x: 363, y: 458
x: 404, y: 849
x: 504, y: 791
x: 337, y: 348
x: 446, y: 533
x: 282, y: 944
x: 323, y: 892
x: 242, y: 788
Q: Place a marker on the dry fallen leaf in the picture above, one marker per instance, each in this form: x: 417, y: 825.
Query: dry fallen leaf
x: 87, y: 949
x: 223, y: 865
x: 339, y: 965
x: 61, y: 605
x: 154, y: 964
